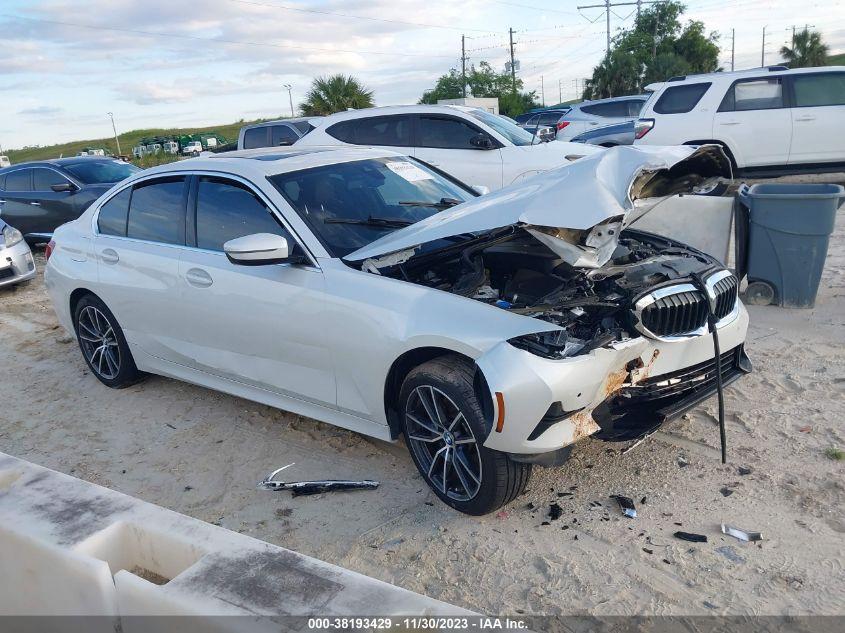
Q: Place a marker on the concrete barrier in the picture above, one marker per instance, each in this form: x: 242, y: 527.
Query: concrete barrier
x: 69, y: 547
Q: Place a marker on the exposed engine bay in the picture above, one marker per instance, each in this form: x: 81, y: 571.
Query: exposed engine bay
x: 512, y: 270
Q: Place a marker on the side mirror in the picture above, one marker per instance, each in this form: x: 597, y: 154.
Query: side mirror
x: 546, y: 134
x: 285, y: 143
x: 481, y: 141
x: 260, y: 249
x: 481, y: 190
x: 62, y: 187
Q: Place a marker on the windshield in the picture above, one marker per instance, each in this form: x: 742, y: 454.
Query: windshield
x: 349, y: 205
x: 92, y: 172
x: 505, y: 127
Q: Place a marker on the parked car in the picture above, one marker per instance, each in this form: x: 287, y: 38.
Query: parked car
x: 16, y: 262
x: 590, y: 114
x: 275, y: 133
x: 36, y: 197
x: 608, y: 135
x: 770, y: 121
x: 368, y: 290
x: 472, y: 145
x: 543, y: 118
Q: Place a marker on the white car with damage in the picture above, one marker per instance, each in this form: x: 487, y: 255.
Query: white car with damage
x: 364, y: 289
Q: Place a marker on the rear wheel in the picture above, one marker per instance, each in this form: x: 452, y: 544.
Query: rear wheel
x: 444, y: 429
x: 103, y: 344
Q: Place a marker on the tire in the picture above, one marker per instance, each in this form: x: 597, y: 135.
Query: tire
x: 103, y: 345
x: 717, y: 190
x: 444, y: 436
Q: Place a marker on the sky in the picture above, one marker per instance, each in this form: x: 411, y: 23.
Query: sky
x: 64, y: 64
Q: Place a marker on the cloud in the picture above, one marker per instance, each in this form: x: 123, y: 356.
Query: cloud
x: 40, y: 111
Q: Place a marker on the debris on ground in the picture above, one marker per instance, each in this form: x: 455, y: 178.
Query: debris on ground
x: 726, y: 492
x: 682, y: 462
x: 304, y: 488
x: 555, y: 511
x: 744, y: 470
x: 648, y: 551
x: 730, y: 553
x: 742, y: 535
x: 692, y: 537
x: 626, y: 504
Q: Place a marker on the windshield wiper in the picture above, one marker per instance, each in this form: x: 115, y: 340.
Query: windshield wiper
x: 386, y: 223
x: 444, y: 203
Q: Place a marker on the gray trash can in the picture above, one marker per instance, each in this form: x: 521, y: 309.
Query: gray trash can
x: 789, y: 227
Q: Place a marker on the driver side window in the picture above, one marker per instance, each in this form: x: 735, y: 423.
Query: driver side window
x: 445, y: 133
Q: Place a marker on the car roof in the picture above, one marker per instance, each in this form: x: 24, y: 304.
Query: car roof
x: 612, y: 99
x: 298, y: 119
x: 58, y: 162
x: 396, y: 109
x: 775, y: 71
x: 270, y: 161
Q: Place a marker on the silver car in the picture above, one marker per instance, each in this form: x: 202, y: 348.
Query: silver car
x: 16, y: 262
x: 365, y: 289
x: 591, y: 114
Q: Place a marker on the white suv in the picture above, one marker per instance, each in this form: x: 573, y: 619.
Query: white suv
x: 476, y: 147
x: 768, y: 119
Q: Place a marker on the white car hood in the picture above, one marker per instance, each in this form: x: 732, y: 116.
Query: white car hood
x: 577, y: 210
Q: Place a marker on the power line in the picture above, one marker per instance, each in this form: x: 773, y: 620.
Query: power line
x: 607, y: 5
x: 220, y: 40
x: 527, y: 6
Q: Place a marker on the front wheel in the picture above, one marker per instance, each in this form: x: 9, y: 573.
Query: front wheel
x: 444, y: 429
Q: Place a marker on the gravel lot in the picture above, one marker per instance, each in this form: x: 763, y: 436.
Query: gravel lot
x: 200, y: 453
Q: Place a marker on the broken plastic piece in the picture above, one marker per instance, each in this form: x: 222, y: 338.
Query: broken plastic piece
x: 303, y: 488
x: 626, y: 504
x: 691, y: 537
x: 742, y: 535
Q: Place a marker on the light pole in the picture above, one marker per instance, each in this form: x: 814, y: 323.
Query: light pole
x: 290, y: 98
x: 114, y: 129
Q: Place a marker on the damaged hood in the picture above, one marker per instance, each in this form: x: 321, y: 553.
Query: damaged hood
x: 576, y: 210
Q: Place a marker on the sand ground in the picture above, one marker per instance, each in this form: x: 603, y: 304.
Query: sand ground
x: 200, y: 453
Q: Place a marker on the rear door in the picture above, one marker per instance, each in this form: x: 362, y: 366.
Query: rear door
x: 818, y: 117
x: 444, y: 141
x: 755, y: 122
x: 16, y: 209
x: 140, y: 237
x: 392, y: 132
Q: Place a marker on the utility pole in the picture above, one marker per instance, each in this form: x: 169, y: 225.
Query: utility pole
x: 114, y: 129
x: 513, y: 66
x: 290, y: 98
x: 607, y: 5
x: 807, y: 27
x: 542, y: 92
x: 733, y: 42
x: 463, y: 66
x: 763, y: 51
x: 559, y: 91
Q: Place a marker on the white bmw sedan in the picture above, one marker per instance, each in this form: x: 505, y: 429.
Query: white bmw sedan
x: 364, y: 289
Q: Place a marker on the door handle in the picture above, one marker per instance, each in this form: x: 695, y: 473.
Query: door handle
x: 729, y: 122
x: 109, y: 256
x: 198, y: 277
x: 806, y: 117
x: 35, y: 203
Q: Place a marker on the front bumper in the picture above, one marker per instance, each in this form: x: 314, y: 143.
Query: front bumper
x: 16, y: 264
x: 593, y: 393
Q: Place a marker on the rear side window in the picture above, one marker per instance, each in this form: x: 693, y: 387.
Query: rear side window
x: 19, y: 180
x: 227, y: 210
x: 112, y: 217
x: 615, y: 109
x: 753, y: 94
x: 392, y: 131
x: 634, y: 107
x: 550, y: 118
x: 255, y: 137
x: 43, y: 179
x: 303, y: 126
x: 157, y: 211
x: 680, y: 99
x: 282, y: 135
x: 446, y: 133
x: 819, y: 89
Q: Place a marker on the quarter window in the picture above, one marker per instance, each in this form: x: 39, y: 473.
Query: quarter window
x: 283, y: 135
x: 680, y: 99
x: 819, y: 89
x: 227, y: 210
x: 112, y: 217
x: 609, y: 110
x: 255, y: 137
x: 391, y: 131
x: 156, y: 213
x: 753, y: 94
x: 43, y: 179
x: 20, y: 180
x: 445, y: 133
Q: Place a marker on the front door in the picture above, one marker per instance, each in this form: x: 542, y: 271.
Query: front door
x: 258, y: 325
x: 818, y: 118
x: 444, y: 141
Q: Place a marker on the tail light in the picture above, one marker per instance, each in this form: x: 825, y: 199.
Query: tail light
x: 49, y: 250
x: 642, y: 127
x: 562, y: 124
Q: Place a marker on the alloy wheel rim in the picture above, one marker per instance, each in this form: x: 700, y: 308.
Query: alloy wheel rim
x: 443, y: 443
x: 99, y: 342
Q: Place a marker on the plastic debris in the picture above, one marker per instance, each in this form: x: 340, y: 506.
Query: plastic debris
x: 691, y: 537
x: 742, y: 535
x: 303, y: 488
x: 744, y: 470
x: 555, y: 511
x: 626, y: 504
x: 726, y: 492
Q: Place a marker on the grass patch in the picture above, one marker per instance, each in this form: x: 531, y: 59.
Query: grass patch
x: 834, y: 453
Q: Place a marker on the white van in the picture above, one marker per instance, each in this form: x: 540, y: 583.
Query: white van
x: 5, y: 162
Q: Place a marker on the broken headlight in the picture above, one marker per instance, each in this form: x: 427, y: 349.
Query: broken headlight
x: 554, y: 345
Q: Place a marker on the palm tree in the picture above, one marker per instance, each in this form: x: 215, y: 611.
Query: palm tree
x: 807, y: 50
x: 334, y: 94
